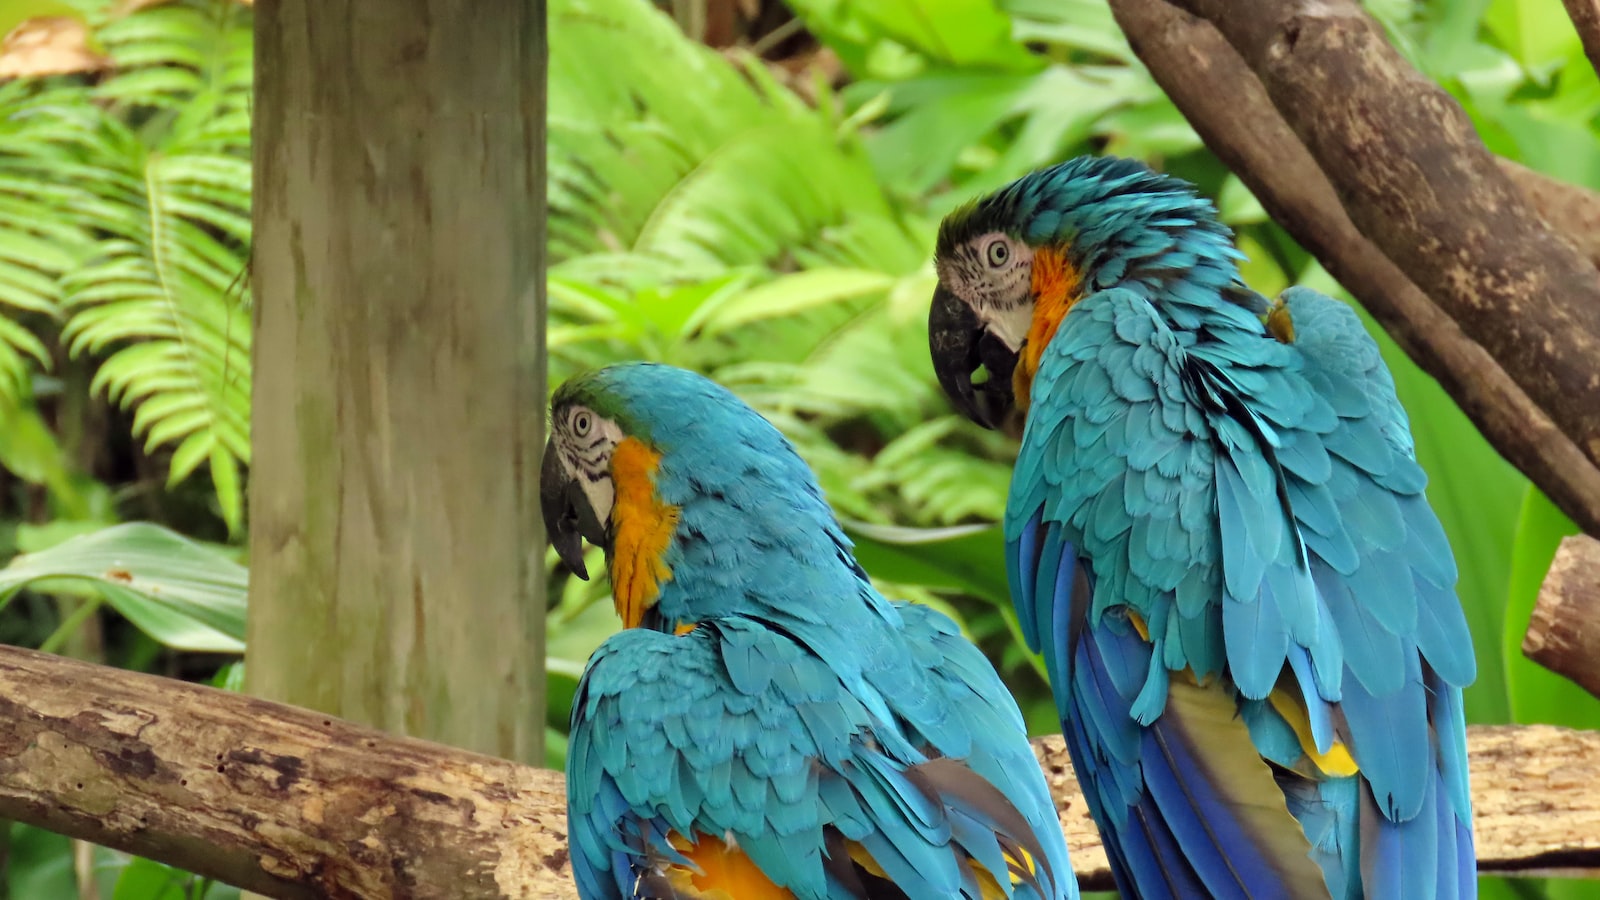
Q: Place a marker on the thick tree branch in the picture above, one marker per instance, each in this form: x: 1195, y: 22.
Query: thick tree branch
x: 1228, y: 107
x: 1534, y: 806
x: 1417, y: 181
x: 1570, y: 211
x: 295, y: 804
x: 1564, y: 633
x: 1585, y: 16
x: 276, y: 799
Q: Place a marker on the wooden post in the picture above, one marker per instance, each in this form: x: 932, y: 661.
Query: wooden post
x: 396, y: 552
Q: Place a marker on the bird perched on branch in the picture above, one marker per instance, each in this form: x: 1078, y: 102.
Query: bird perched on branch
x: 1217, y: 538
x: 768, y: 725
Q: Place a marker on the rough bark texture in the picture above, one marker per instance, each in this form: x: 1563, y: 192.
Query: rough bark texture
x: 297, y: 804
x: 1232, y: 113
x: 1534, y: 804
x: 397, y: 562
x: 1570, y: 211
x: 1417, y: 181
x: 1564, y: 633
x: 273, y: 798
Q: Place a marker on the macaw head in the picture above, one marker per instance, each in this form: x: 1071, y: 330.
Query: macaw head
x: 1012, y: 263
x: 677, y: 480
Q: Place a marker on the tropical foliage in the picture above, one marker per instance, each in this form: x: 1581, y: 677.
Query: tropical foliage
x: 762, y: 216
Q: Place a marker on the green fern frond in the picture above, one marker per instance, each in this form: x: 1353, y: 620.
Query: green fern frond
x: 38, y: 241
x: 943, y: 484
x: 739, y: 232
x: 738, y: 171
x: 165, y: 177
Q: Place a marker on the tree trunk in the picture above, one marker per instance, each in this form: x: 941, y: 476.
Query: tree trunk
x: 396, y: 556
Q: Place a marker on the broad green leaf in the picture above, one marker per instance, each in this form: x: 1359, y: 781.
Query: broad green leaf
x: 675, y: 313
x: 967, y: 558
x: 1258, y: 268
x: 574, y: 630
x: 1560, y: 146
x: 30, y: 451
x: 888, y: 37
x: 39, y: 863
x: 1085, y: 25
x: 230, y: 677
x: 1154, y: 129
x: 142, y: 879
x: 1450, y: 45
x: 1237, y: 206
x: 963, y: 33
x: 786, y: 296
x: 182, y: 594
x: 1536, y: 32
x: 939, y: 115
x: 37, y: 538
x: 138, y: 878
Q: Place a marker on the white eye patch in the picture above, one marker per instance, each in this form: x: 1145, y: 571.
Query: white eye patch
x: 993, y: 274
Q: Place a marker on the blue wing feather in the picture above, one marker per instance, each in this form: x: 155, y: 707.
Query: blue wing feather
x: 738, y: 729
x: 1259, y: 506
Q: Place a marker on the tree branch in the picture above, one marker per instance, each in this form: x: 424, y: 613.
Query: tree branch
x: 1230, y: 110
x: 1570, y: 211
x: 1564, y: 633
x: 1416, y: 180
x: 275, y: 799
x: 1585, y: 16
x: 294, y: 804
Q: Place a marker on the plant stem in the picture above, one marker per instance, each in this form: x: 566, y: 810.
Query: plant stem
x: 70, y: 624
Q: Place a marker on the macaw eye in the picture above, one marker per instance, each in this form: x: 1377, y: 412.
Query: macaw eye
x: 581, y: 423
x: 998, y: 253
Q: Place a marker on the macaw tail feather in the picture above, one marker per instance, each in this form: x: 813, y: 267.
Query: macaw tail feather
x: 1206, y: 816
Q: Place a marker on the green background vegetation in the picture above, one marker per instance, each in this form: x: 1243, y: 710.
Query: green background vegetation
x: 769, y: 225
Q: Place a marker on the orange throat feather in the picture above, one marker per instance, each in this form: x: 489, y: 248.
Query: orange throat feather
x: 642, y: 527
x: 1056, y: 286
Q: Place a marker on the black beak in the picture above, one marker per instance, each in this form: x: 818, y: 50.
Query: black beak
x: 568, y: 516
x: 961, y: 346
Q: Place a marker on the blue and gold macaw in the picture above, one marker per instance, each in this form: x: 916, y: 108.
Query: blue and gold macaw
x: 768, y: 725
x: 1217, y: 537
